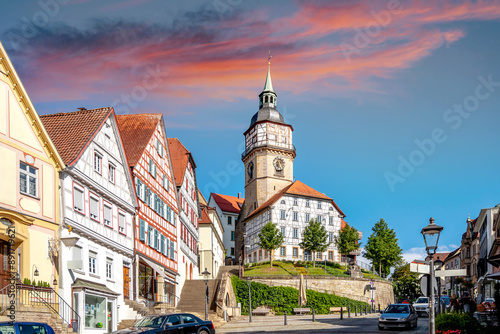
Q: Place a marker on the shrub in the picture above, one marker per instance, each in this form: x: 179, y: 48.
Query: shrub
x: 282, y: 299
x: 462, y: 321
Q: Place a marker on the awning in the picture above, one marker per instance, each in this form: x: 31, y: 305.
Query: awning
x: 493, y: 276
x: 87, y: 285
x: 158, y: 269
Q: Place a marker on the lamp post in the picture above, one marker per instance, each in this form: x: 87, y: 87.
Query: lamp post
x: 431, y: 238
x: 437, y: 266
x: 306, y: 275
x: 249, y: 300
x: 205, y: 275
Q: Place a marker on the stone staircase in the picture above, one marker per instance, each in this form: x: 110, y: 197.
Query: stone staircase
x: 133, y: 311
x: 193, y: 300
x: 42, y: 314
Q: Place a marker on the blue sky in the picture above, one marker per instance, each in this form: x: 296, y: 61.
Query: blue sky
x: 372, y: 89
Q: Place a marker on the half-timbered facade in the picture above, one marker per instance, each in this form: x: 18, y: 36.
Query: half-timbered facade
x: 98, y: 203
x: 273, y: 194
x: 156, y: 264
x: 184, y: 169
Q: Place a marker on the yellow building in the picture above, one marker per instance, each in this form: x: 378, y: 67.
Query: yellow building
x: 29, y: 195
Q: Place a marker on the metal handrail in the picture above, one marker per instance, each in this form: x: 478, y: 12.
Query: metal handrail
x: 48, y: 297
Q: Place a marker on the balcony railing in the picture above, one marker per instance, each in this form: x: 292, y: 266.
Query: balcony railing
x: 267, y: 143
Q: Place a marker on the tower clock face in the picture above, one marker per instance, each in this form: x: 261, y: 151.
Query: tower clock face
x: 279, y: 163
x: 250, y: 169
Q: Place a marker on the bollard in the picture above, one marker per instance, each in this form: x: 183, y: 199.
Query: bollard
x: 225, y: 315
x: 286, y: 322
x: 341, y: 313
x: 313, y: 316
x: 349, y: 311
x: 366, y: 309
x: 356, y: 310
x: 379, y: 308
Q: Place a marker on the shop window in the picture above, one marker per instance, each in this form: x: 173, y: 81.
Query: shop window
x: 95, y: 312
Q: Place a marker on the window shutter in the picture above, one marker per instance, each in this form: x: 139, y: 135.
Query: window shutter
x: 162, y: 244
x: 172, y: 248
x: 167, y: 248
x: 142, y: 230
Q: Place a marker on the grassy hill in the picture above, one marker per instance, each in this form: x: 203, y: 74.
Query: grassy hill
x: 289, y: 268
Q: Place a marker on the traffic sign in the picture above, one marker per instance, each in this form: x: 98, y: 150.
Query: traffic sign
x: 423, y: 285
x: 420, y: 268
x: 449, y: 273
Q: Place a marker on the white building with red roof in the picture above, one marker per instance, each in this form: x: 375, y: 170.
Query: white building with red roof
x: 228, y: 209
x: 98, y: 204
x: 272, y: 194
x: 184, y: 169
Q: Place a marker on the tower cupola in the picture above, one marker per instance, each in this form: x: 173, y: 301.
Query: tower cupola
x: 268, y: 98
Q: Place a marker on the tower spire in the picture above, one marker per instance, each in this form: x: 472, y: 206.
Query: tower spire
x: 268, y: 97
x: 268, y: 86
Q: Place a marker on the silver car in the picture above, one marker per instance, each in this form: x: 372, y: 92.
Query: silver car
x: 398, y: 316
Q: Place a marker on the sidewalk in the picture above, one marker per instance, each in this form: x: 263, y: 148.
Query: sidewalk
x: 295, y: 322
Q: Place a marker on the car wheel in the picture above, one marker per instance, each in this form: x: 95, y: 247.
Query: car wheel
x: 203, y: 331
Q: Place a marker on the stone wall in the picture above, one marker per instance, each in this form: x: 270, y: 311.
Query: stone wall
x: 353, y: 288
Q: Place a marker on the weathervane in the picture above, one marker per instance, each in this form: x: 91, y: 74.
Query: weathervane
x: 269, y: 58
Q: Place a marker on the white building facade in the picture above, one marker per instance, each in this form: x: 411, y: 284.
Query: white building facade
x: 212, y: 248
x: 228, y: 209
x: 98, y: 205
x: 189, y: 211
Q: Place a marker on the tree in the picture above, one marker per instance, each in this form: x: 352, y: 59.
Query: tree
x: 405, y: 283
x: 270, y: 238
x: 382, y: 247
x: 347, y: 240
x: 315, y: 239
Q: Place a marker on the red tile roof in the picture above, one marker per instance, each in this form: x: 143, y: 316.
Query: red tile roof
x: 180, y: 156
x: 205, y: 218
x: 228, y: 203
x: 71, y: 132
x: 136, y: 132
x: 296, y: 188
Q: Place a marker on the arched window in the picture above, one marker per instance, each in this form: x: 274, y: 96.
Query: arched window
x: 266, y: 99
x: 272, y: 99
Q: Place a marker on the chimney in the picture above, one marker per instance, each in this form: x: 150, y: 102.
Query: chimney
x: 239, y: 195
x: 82, y: 109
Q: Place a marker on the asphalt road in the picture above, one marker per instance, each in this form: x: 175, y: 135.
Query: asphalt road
x: 323, y: 324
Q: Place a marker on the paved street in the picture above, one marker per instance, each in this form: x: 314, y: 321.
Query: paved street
x: 323, y: 324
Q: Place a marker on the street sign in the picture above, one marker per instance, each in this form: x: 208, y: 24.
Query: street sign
x: 449, y: 273
x: 423, y: 285
x: 420, y: 268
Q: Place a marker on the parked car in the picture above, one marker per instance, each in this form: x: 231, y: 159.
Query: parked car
x: 398, y: 316
x: 25, y: 328
x: 421, y: 305
x: 182, y: 323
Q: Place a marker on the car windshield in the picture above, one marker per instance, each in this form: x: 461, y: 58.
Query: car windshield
x: 422, y: 300
x: 151, y: 322
x: 397, y: 309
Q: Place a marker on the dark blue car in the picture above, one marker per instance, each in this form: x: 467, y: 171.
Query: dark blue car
x: 16, y: 327
x: 176, y: 323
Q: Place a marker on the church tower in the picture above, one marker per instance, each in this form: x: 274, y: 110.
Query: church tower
x: 269, y: 151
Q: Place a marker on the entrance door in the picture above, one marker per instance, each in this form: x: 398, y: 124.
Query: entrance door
x: 126, y: 282
x: 4, y: 264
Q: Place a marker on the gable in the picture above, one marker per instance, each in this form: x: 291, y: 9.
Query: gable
x: 19, y: 122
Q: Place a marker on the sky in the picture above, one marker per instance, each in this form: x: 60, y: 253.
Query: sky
x: 394, y: 104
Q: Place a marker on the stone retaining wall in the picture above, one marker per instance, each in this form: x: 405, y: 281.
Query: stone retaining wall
x: 353, y: 288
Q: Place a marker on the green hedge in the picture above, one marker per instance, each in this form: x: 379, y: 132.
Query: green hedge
x: 463, y: 321
x: 282, y: 299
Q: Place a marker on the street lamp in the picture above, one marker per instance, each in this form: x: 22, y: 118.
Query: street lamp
x: 34, y: 273
x: 438, y: 264
x: 206, y: 274
x: 306, y: 275
x: 431, y: 237
x: 249, y: 300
